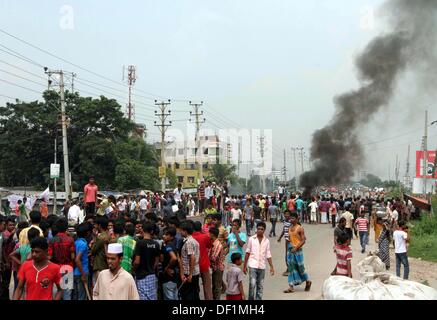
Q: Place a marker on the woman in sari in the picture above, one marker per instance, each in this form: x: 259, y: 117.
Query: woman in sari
x: 384, y: 245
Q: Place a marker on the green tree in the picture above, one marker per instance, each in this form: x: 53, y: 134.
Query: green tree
x: 99, y: 142
x: 220, y: 173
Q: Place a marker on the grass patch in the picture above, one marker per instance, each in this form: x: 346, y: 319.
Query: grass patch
x: 424, y: 236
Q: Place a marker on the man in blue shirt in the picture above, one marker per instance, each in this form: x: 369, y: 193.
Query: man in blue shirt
x: 81, y: 270
x: 299, y: 208
x: 236, y: 240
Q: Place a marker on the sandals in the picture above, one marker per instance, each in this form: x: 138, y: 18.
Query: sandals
x: 285, y: 274
x: 289, y: 290
x: 308, y: 286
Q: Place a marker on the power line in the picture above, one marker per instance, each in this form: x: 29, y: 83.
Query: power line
x: 17, y: 85
x: 21, y: 69
x: 73, y: 64
x: 9, y: 97
x: 19, y: 56
x: 23, y: 78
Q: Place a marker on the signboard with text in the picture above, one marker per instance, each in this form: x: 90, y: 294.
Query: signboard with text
x: 55, y: 168
x: 429, y: 167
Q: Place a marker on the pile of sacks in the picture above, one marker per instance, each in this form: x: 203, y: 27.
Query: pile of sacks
x: 375, y: 284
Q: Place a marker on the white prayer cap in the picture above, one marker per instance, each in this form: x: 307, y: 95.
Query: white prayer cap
x: 115, y: 248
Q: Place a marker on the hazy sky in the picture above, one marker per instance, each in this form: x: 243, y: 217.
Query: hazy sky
x: 272, y: 64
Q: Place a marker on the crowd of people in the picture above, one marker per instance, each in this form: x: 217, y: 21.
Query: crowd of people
x: 149, y: 248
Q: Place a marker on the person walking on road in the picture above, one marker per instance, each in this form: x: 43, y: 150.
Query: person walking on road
x: 362, y: 225
x: 401, y: 237
x: 295, y: 259
x: 286, y: 226
x: 273, y: 212
x: 257, y: 252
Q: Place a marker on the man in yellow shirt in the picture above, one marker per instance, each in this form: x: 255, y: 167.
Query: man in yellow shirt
x: 35, y: 218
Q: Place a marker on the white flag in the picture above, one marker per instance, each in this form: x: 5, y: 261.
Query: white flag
x: 45, y: 195
x: 30, y: 202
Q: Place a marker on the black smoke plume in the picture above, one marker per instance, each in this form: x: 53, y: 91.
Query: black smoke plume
x: 335, y: 149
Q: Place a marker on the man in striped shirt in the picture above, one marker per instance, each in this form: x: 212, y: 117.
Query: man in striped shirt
x: 362, y: 225
x: 344, y: 256
x: 287, y: 225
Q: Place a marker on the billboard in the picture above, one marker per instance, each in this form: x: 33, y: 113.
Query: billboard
x: 430, y: 164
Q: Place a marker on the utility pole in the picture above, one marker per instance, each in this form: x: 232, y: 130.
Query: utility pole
x: 425, y: 153
x: 198, y: 122
x: 397, y: 170
x: 261, y: 150
x: 163, y: 125
x: 239, y: 158
x: 301, y: 159
x: 55, y: 179
x: 407, y: 177
x: 67, y: 175
x: 295, y: 168
x: 285, y: 167
x: 131, y: 78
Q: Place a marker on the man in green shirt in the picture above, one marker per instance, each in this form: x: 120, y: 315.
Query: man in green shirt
x: 6, y: 208
x: 22, y: 211
x: 128, y: 244
x: 99, y: 246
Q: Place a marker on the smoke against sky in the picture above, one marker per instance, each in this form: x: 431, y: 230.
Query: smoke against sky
x: 335, y: 149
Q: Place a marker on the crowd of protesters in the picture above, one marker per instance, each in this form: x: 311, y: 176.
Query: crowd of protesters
x: 148, y: 248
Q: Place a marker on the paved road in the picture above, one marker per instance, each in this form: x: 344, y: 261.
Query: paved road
x: 319, y: 263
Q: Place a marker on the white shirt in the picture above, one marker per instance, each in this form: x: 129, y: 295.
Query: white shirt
x: 395, y: 215
x: 143, y: 204
x: 115, y: 287
x: 133, y: 205
x: 121, y: 205
x: 313, y: 206
x: 73, y: 213
x: 400, y: 238
x: 236, y: 214
x: 177, y: 195
x: 259, y: 252
x: 208, y: 192
x: 280, y: 190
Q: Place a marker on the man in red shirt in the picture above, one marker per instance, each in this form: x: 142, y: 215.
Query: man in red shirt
x: 204, y: 241
x: 62, y: 252
x: 90, y: 196
x: 291, y: 204
x: 39, y: 274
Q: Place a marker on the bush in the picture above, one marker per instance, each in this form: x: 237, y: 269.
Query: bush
x: 424, y: 236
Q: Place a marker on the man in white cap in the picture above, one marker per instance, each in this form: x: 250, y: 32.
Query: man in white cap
x: 115, y: 283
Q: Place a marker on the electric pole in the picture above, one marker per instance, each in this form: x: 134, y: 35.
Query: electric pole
x: 301, y: 159
x: 239, y: 157
x: 397, y: 170
x: 163, y: 125
x: 295, y: 168
x: 261, y: 150
x: 55, y: 179
x: 285, y: 167
x: 67, y: 175
x: 131, y: 78
x: 300, y: 149
x: 407, y: 177
x: 198, y: 122
x: 425, y: 153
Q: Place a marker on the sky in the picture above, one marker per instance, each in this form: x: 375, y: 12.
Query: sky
x: 272, y: 65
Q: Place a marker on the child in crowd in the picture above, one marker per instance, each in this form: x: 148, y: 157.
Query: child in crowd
x: 234, y: 279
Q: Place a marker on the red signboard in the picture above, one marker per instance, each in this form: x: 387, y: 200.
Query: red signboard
x: 429, y: 167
